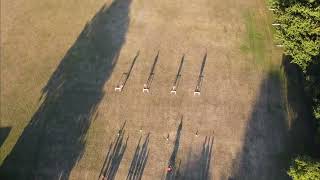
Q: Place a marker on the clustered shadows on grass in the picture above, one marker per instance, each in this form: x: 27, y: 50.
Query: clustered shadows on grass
x: 114, y: 156
x: 279, y: 128
x: 205, y: 158
x: 198, y: 166
x: 254, y: 41
x: 54, y: 140
x: 139, y: 160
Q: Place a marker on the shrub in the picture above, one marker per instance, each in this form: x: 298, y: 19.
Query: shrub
x: 304, y: 168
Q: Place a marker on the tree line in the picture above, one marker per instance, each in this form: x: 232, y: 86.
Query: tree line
x: 297, y: 24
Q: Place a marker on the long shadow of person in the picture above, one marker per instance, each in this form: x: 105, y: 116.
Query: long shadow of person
x: 114, y: 156
x: 205, y: 158
x: 172, y: 161
x: 198, y: 165
x: 139, y: 160
x: 54, y: 140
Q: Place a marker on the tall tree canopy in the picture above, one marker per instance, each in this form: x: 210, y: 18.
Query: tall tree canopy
x: 299, y: 32
x: 299, y: 29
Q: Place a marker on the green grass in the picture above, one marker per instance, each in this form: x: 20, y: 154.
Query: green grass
x: 254, y: 41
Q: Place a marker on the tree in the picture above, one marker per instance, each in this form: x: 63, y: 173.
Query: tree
x: 304, y: 168
x: 299, y: 30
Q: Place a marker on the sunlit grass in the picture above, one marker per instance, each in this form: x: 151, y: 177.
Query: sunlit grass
x: 254, y: 40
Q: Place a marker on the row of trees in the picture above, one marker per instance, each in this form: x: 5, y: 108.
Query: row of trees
x: 298, y: 30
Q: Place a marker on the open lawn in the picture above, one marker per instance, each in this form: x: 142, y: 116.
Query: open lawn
x: 62, y: 119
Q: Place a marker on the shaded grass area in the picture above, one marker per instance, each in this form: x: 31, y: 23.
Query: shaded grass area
x: 198, y: 165
x: 298, y: 105
x: 35, y: 35
x: 4, y: 132
x: 265, y: 135
x: 278, y: 129
x: 139, y: 160
x: 54, y: 140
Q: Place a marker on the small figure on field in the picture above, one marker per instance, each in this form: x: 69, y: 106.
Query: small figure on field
x: 169, y: 169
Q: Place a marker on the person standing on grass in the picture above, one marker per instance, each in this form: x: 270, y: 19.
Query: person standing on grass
x: 169, y: 169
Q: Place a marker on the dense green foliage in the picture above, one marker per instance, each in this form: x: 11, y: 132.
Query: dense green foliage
x: 304, y: 168
x: 299, y: 32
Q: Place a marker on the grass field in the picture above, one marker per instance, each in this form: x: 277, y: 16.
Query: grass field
x: 62, y: 119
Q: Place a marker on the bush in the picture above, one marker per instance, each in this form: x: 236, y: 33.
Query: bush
x: 304, y: 168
